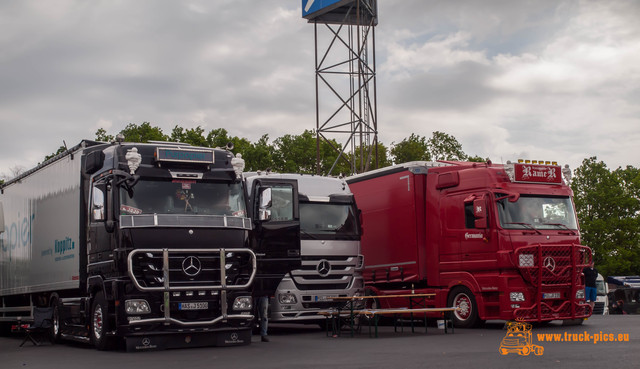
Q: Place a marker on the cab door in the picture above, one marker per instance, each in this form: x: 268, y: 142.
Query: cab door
x: 276, y: 233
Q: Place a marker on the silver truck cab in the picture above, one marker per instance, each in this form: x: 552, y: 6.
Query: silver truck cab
x: 329, y: 246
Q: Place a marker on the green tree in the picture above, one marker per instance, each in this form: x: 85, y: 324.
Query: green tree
x: 60, y: 150
x: 607, y: 207
x: 191, y: 136
x: 383, y: 160
x: 102, y: 136
x: 258, y: 156
x: 143, y: 133
x: 477, y: 159
x: 443, y: 146
x: 295, y: 153
x: 413, y: 148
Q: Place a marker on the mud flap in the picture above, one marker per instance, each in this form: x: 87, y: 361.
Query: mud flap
x: 154, y: 342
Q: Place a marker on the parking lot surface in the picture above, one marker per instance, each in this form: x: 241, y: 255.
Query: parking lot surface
x: 600, y: 342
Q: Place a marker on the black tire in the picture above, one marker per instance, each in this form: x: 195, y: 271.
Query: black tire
x: 100, y: 324
x: 5, y: 329
x: 56, y: 326
x: 463, y: 298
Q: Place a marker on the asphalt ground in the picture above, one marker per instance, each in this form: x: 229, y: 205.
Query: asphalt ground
x: 300, y: 346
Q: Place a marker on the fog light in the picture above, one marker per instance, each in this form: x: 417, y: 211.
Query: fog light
x: 137, y: 307
x: 287, y: 298
x: 189, y: 293
x: 242, y: 303
x: 579, y: 294
x: 526, y: 260
x: 516, y: 296
x: 176, y: 294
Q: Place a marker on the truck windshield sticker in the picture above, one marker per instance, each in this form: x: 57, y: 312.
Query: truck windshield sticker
x: 126, y: 209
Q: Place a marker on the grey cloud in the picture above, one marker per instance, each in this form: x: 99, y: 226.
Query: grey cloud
x: 461, y: 88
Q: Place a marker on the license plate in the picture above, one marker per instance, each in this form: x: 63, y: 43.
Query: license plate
x: 193, y: 305
x: 551, y: 295
x: 320, y: 298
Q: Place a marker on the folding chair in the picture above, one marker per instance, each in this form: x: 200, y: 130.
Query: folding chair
x: 42, y: 323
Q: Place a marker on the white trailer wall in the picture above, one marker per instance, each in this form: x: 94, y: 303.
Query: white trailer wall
x: 39, y: 248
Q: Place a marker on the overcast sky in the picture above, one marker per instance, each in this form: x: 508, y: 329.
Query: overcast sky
x: 552, y: 80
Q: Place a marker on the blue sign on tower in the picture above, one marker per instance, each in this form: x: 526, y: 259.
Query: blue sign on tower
x: 313, y: 6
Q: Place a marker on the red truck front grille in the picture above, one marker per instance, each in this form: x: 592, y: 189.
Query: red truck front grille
x: 555, y: 273
x: 552, y: 265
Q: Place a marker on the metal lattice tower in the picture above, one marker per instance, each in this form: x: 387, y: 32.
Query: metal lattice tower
x: 346, y: 110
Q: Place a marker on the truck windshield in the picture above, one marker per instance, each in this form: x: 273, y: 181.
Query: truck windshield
x: 328, y: 221
x: 600, y: 287
x: 164, y: 197
x: 536, y: 212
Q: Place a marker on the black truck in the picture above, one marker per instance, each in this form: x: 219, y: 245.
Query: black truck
x: 150, y: 244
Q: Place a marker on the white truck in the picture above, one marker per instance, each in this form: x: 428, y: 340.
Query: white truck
x: 330, y: 233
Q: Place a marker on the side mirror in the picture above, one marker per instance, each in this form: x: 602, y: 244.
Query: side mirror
x: 264, y: 213
x: 1, y: 218
x: 98, y: 204
x: 480, y: 213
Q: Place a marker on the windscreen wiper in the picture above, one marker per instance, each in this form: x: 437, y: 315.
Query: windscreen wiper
x: 527, y: 225
x: 308, y: 234
x: 561, y: 226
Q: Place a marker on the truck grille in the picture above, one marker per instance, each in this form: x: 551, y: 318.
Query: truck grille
x: 552, y: 265
x: 554, y: 269
x: 186, y: 269
x: 325, y: 273
x: 598, y: 308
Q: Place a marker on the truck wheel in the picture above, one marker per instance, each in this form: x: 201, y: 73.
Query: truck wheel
x: 467, y: 315
x: 100, y: 324
x: 538, y: 350
x: 57, y: 324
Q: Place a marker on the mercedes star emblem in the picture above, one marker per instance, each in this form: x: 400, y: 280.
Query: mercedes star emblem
x: 191, y: 266
x: 549, y: 263
x: 324, y: 268
x: 146, y: 341
x: 234, y: 336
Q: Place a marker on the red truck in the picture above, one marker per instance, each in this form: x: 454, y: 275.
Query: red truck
x: 498, y: 241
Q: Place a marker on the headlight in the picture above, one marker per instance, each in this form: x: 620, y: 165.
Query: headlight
x: 287, y: 298
x: 579, y: 294
x: 516, y: 296
x: 135, y: 307
x: 242, y: 303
